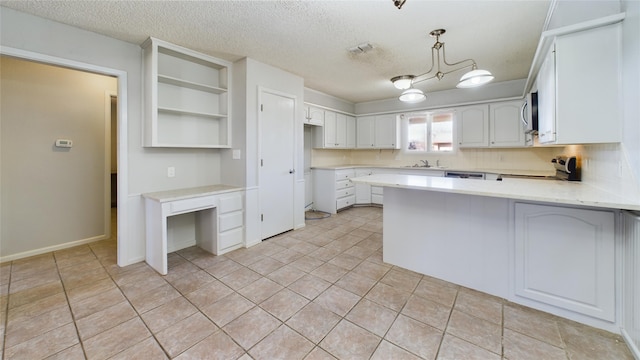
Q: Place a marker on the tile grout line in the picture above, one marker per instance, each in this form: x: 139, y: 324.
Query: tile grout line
x: 444, y: 332
x: 205, y: 315
x: 137, y: 315
x: 502, y: 334
x: 73, y: 317
x: 6, y: 308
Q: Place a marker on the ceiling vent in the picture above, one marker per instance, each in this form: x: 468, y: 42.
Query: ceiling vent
x: 361, y: 49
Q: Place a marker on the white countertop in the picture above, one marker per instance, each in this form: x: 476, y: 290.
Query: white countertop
x: 189, y: 193
x: 554, y: 191
x: 442, y: 168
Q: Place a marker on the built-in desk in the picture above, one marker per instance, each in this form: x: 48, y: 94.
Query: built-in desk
x: 219, y: 219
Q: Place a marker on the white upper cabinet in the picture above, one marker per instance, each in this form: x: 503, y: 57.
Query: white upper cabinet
x: 579, y: 88
x: 505, y: 126
x: 313, y: 115
x: 345, y: 131
x: 386, y: 132
x: 186, y: 98
x: 365, y: 135
x: 473, y: 126
x: 338, y: 131
x: 350, y: 131
x: 493, y: 125
x: 377, y: 132
x: 547, y: 99
x: 330, y: 128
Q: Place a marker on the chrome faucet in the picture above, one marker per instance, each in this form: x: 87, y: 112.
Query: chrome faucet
x: 425, y: 162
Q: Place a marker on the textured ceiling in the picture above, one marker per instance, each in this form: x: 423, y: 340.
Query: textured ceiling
x: 311, y: 38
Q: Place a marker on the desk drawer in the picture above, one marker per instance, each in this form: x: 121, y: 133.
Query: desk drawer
x: 378, y: 190
x: 229, y: 203
x: 230, y: 238
x: 230, y: 221
x: 193, y: 204
x: 345, y: 192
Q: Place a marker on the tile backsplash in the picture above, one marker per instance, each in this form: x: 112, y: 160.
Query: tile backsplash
x: 606, y: 166
x: 537, y: 159
x: 603, y: 165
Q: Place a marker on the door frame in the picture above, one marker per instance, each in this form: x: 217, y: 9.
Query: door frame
x: 108, y: 97
x: 261, y: 91
x: 123, y: 166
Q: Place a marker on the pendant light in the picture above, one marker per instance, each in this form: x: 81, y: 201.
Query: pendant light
x: 412, y: 96
x: 473, y: 78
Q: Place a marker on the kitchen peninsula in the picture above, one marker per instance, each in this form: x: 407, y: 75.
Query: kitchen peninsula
x: 550, y: 245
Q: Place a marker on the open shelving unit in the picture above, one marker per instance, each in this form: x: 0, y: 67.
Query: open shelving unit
x: 186, y: 98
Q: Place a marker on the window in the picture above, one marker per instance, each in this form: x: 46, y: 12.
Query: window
x: 428, y: 132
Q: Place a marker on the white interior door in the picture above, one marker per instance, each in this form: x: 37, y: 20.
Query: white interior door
x: 277, y: 159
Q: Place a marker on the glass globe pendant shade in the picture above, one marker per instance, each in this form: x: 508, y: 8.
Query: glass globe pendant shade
x: 474, y: 78
x: 402, y: 82
x: 412, y: 96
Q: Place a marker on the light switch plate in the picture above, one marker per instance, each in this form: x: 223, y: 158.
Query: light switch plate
x: 235, y: 155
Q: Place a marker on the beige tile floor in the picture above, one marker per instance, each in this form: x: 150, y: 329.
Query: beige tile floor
x: 321, y: 292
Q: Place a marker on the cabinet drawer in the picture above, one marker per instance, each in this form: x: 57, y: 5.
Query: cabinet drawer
x: 344, y: 174
x: 230, y: 221
x: 345, y: 201
x: 230, y: 238
x: 343, y: 184
x: 378, y: 190
x: 345, y: 192
x: 193, y: 204
x: 229, y: 203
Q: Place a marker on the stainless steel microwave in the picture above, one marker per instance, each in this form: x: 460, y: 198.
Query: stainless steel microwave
x: 529, y: 113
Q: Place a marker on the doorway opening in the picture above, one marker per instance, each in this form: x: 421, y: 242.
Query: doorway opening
x: 120, y: 110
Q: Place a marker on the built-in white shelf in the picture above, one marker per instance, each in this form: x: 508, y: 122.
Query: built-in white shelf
x: 187, y: 98
x: 190, y: 84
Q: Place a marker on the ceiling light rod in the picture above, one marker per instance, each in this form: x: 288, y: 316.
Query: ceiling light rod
x: 472, y: 78
x: 435, y: 53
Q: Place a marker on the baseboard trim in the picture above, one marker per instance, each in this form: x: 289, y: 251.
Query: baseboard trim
x: 47, y: 249
x: 630, y: 343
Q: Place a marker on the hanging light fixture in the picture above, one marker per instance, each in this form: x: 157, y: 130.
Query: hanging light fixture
x: 412, y: 96
x: 398, y: 3
x: 473, y: 78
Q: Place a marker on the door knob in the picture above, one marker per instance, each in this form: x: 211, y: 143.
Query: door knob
x: 292, y: 171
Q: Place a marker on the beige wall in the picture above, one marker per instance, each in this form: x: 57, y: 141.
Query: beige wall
x: 51, y: 196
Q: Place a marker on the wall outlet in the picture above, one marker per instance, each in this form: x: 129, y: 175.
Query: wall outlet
x: 235, y: 154
x: 171, y: 171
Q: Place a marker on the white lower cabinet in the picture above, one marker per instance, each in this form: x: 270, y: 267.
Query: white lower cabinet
x: 230, y: 223
x: 631, y: 300
x: 565, y: 257
x: 363, y: 191
x: 333, y: 189
x: 377, y: 193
